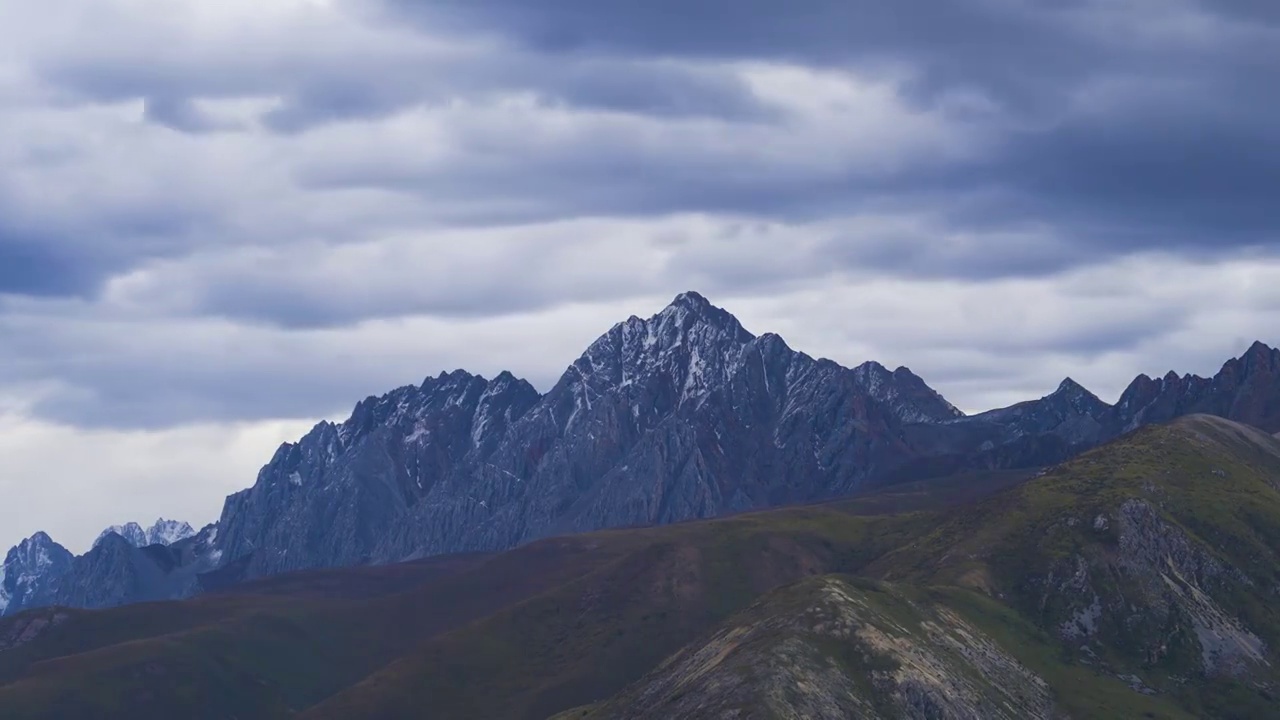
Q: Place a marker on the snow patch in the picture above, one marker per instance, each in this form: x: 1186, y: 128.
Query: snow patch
x: 419, y: 431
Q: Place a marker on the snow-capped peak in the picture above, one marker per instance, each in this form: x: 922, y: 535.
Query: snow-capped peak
x: 132, y: 532
x: 163, y: 532
x: 168, y: 532
x: 26, y: 567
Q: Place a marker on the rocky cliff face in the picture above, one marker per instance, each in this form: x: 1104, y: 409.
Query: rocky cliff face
x: 27, y: 569
x: 331, y: 498
x: 684, y: 415
x: 1246, y: 390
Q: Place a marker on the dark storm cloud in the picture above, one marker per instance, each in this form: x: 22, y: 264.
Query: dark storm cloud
x: 32, y: 265
x: 1187, y: 161
x: 945, y: 143
x: 375, y: 83
x: 73, y: 256
x: 1019, y: 49
x: 1189, y: 158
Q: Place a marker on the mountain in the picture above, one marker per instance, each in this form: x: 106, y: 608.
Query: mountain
x: 1071, y: 419
x: 26, y: 568
x: 163, y: 532
x: 682, y: 416
x: 1247, y: 390
x: 125, y: 565
x: 1134, y: 581
x: 131, y: 532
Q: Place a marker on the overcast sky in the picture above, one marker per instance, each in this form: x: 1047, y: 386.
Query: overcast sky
x: 222, y: 221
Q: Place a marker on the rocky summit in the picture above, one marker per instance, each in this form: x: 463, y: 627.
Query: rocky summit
x: 681, y: 416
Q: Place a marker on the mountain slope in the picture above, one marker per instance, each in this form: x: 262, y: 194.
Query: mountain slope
x: 290, y: 641
x: 1137, y: 580
x: 1155, y: 557
x: 832, y: 648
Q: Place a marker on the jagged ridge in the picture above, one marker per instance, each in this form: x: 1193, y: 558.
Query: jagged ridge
x: 680, y: 416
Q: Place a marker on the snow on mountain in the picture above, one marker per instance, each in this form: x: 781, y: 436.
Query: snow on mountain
x: 28, y: 568
x: 163, y: 532
x: 168, y: 532
x: 132, y: 532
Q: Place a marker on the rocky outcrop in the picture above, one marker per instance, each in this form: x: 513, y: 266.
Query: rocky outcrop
x: 833, y: 648
x: 1160, y: 593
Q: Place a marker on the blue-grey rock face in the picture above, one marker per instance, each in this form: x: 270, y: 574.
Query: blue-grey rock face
x: 683, y: 415
x: 331, y: 498
x: 28, y: 569
x: 116, y: 571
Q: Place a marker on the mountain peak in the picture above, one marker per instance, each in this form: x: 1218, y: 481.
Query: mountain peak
x: 162, y: 532
x: 167, y: 532
x: 1260, y: 354
x: 1260, y: 348
x: 690, y: 308
x: 910, y: 398
x: 693, y: 300
x: 1070, y: 387
x: 132, y: 532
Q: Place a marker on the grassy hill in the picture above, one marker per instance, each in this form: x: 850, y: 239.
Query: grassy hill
x: 1139, y: 580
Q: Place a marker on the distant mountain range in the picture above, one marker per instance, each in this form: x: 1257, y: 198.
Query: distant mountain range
x: 684, y: 415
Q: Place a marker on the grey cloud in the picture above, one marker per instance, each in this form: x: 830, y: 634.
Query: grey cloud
x: 373, y: 82
x: 30, y: 265
x: 1022, y: 140
x: 180, y: 113
x: 1019, y: 50
x: 1121, y: 180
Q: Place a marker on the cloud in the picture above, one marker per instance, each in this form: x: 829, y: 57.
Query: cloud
x: 214, y: 214
x: 1032, y: 140
x: 74, y: 483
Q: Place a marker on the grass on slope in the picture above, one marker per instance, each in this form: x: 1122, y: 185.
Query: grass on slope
x: 740, y: 666
x: 262, y: 654
x: 263, y: 649
x: 570, y: 622
x: 586, y: 640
